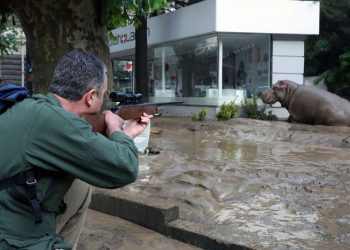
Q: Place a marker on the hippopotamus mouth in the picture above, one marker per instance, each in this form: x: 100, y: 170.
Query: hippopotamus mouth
x: 268, y: 96
x: 277, y: 93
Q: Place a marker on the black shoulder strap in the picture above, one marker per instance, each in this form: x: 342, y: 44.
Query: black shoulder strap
x: 29, y: 179
x: 33, y: 199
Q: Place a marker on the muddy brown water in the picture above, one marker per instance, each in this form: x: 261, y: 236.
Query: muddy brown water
x: 266, y: 185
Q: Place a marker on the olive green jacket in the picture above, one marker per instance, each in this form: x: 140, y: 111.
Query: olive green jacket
x: 39, y: 133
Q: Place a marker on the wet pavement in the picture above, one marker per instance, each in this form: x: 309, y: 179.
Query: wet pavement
x: 105, y: 232
x: 264, y: 185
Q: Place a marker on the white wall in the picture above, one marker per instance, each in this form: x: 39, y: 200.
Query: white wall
x: 288, y: 61
x: 268, y: 16
x: 234, y: 16
x: 194, y: 20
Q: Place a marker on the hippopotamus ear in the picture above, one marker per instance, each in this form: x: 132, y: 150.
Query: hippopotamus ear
x: 283, y: 85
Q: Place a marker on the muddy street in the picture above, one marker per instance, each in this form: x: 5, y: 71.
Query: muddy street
x: 265, y: 185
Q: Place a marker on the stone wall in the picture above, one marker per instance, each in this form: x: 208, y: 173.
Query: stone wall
x: 11, y: 68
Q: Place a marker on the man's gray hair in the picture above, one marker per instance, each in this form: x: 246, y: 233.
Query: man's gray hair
x: 76, y: 73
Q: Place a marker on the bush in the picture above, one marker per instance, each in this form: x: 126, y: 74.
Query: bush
x: 227, y: 111
x: 270, y: 116
x: 251, y: 109
x: 201, y: 115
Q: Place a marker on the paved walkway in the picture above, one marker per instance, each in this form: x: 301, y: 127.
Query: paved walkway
x: 105, y: 232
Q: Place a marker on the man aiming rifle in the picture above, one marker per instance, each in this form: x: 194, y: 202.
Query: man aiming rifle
x: 50, y: 155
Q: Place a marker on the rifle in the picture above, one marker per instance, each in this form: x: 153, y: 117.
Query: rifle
x: 128, y: 106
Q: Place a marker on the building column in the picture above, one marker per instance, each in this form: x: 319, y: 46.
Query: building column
x: 220, y: 56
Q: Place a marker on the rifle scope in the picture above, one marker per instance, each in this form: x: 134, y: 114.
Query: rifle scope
x: 125, y: 98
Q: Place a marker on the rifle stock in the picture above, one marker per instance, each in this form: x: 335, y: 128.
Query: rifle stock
x: 127, y: 112
x: 134, y: 111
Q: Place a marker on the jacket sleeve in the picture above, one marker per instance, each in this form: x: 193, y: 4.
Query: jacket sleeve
x: 61, y: 141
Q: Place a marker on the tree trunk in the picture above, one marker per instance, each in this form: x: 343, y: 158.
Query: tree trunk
x: 141, y: 72
x: 53, y: 28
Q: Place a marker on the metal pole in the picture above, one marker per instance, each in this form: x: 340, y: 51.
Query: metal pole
x: 22, y: 56
x: 163, y: 68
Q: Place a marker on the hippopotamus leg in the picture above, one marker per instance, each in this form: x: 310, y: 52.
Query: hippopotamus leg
x: 291, y: 120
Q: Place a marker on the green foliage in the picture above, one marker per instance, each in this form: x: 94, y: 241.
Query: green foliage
x: 251, y: 108
x: 8, y: 41
x: 8, y: 33
x: 328, y: 55
x: 201, y: 115
x: 121, y: 13
x: 227, y: 111
x: 269, y: 116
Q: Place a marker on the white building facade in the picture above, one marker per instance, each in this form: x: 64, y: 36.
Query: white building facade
x: 219, y: 51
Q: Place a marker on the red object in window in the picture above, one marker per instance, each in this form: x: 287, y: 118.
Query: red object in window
x: 128, y: 67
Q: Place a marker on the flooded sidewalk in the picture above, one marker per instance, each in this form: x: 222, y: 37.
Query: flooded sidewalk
x: 264, y: 185
x: 105, y: 232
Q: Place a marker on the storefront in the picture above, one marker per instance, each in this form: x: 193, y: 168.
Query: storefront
x: 218, y: 51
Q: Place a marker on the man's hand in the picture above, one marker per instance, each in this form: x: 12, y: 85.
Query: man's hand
x: 135, y: 127
x: 113, y: 122
x: 132, y: 128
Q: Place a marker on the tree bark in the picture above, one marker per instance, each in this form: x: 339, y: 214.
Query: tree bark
x: 141, y: 72
x: 53, y: 28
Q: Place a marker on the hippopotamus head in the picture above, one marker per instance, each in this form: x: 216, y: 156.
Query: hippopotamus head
x: 279, y: 92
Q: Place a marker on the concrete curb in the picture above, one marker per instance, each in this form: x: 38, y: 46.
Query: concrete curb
x: 199, y: 236
x: 162, y: 217
x: 155, y: 218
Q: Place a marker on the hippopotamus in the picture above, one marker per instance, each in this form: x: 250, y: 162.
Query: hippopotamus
x: 309, y: 104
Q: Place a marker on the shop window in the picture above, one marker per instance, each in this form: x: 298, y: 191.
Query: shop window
x: 186, y: 68
x: 246, y: 62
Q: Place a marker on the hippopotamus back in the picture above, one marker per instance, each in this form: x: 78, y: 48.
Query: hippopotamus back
x: 309, y: 104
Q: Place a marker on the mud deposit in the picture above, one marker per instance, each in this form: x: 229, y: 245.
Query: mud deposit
x: 265, y: 185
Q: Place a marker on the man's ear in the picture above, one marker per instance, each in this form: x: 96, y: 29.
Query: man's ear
x: 90, y: 96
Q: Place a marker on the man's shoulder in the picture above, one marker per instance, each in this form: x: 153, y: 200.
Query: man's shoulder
x: 44, y: 107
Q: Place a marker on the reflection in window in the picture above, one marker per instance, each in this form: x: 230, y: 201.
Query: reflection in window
x: 246, y: 62
x: 122, y: 75
x: 185, y: 68
x: 188, y: 69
